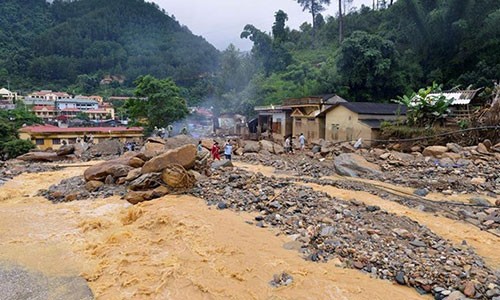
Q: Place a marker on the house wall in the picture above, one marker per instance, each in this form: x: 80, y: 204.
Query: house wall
x: 44, y: 141
x: 342, y: 124
x: 310, y: 127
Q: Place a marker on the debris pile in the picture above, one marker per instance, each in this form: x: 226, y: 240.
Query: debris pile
x: 354, y: 234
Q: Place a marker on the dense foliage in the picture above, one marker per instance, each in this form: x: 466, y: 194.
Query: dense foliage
x: 158, y: 103
x: 385, y: 52
x: 10, y: 122
x: 73, y: 45
x: 365, y: 54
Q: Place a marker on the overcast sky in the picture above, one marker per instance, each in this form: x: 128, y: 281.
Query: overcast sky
x: 220, y: 22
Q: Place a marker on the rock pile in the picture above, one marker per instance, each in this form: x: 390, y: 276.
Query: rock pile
x: 135, y: 176
x: 362, y: 237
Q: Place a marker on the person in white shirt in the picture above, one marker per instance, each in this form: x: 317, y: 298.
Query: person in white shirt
x: 228, y: 150
x: 302, y: 141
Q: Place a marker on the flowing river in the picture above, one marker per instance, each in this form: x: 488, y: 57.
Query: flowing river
x: 176, y: 247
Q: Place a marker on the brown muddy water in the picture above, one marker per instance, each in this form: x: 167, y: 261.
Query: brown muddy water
x: 175, y: 247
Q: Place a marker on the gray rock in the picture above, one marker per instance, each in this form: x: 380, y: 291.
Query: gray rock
x: 422, y: 192
x: 400, y: 278
x: 479, y: 201
x: 353, y: 165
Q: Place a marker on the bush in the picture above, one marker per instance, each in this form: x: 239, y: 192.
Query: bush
x: 16, y: 147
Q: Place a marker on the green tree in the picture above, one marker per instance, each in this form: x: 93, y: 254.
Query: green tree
x: 162, y: 105
x: 314, y: 7
x: 368, y: 65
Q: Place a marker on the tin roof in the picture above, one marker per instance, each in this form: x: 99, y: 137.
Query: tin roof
x: 459, y: 97
x: 55, y: 129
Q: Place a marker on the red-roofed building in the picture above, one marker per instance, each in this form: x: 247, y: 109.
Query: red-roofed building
x: 49, y: 136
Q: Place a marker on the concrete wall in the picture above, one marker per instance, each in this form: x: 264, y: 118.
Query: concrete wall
x: 312, y: 128
x: 341, y: 124
x: 54, y: 141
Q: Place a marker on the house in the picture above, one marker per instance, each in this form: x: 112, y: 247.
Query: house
x: 48, y: 136
x: 349, y: 121
x: 7, y: 99
x: 231, y: 124
x: 273, y: 122
x: 306, y: 114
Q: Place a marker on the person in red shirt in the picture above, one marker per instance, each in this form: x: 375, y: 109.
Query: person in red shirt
x: 215, y: 151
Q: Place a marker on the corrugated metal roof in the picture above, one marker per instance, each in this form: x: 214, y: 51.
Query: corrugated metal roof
x: 457, y: 98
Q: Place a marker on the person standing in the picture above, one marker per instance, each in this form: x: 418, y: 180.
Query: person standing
x: 302, y: 141
x: 199, y: 148
x: 228, y: 150
x: 215, y: 151
x: 288, y: 145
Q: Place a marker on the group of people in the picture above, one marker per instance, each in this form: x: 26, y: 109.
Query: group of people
x: 289, y: 143
x: 215, y: 150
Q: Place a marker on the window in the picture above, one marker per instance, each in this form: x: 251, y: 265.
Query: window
x: 56, y: 141
x: 39, y: 141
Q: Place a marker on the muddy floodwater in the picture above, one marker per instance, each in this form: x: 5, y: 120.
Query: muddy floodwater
x: 176, y: 247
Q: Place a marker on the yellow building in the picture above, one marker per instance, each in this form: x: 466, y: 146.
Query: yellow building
x: 349, y: 121
x: 48, y: 136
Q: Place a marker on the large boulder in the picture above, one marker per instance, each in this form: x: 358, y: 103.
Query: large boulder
x: 135, y: 197
x: 267, y: 146
x: 175, y: 176
x: 152, y: 149
x: 184, y: 156
x: 251, y: 147
x: 41, y: 157
x: 105, y: 148
x: 65, y: 150
x: 179, y: 141
x: 353, y: 165
x: 116, y: 168
x: 145, y: 182
x: 435, y: 151
x: 454, y: 147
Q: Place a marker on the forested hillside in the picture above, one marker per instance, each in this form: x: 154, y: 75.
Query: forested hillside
x: 377, y: 54
x: 77, y: 43
x: 381, y: 54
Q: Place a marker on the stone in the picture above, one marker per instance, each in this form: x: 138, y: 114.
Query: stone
x: 455, y: 295
x: 175, y: 176
x: 316, y: 149
x: 222, y: 164
x: 278, y: 149
x: 80, y: 148
x: 400, y: 278
x: 418, y: 243
x: 251, y: 147
x: 117, y: 168
x: 267, y: 146
x: 135, y: 162
x: 452, y: 155
x: 422, y: 192
x: 135, y: 197
x: 145, y: 182
x: 155, y: 140
x: 358, y: 265
x: 446, y: 162
x: 454, y: 147
x: 478, y: 180
x: 385, y: 156
x: 65, y: 150
x: 434, y: 151
x: 109, y: 180
x: 469, y: 289
x: 184, y: 156
x: 372, y: 208
x: 353, y: 165
x: 416, y: 149
x: 93, y: 185
x: 40, y: 157
x: 481, y: 148
x: 222, y: 205
x: 133, y: 174
x: 479, y: 201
